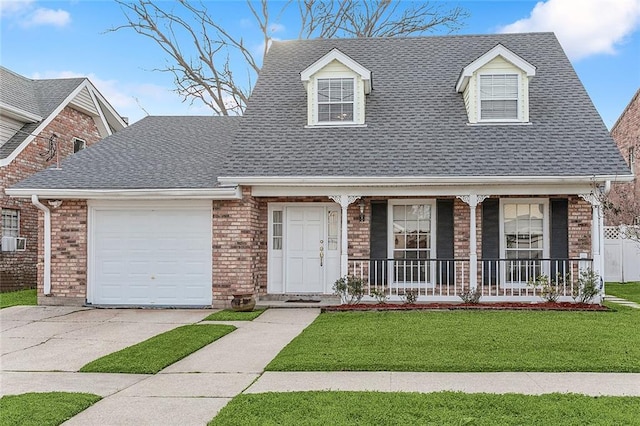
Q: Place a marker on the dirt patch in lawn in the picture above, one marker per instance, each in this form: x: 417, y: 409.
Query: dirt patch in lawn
x: 500, y: 306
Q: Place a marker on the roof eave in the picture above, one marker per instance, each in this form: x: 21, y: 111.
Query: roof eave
x: 219, y: 193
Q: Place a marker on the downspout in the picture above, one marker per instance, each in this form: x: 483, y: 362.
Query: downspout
x: 606, y: 190
x: 47, y: 243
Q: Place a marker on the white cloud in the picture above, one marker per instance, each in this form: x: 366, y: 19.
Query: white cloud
x: 276, y: 28
x: 585, y: 27
x: 26, y: 14
x: 43, y: 16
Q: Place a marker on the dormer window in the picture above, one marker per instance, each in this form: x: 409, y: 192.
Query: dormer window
x: 335, y: 99
x: 336, y: 88
x: 495, y: 87
x: 499, y: 97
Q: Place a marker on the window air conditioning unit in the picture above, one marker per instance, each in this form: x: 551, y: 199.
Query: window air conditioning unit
x: 9, y: 243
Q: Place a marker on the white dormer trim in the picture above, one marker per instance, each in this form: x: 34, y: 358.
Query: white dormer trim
x: 337, y: 55
x: 499, y: 50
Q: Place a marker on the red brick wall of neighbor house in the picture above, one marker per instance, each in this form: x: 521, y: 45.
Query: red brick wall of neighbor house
x: 68, y: 255
x: 18, y: 269
x: 626, y: 134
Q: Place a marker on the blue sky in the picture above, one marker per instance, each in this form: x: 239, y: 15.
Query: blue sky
x: 50, y: 39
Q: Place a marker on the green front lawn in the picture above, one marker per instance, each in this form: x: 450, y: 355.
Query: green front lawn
x: 629, y: 291
x: 475, y: 341
x: 229, y: 315
x: 20, y: 297
x: 443, y: 408
x: 42, y: 409
x: 160, y: 351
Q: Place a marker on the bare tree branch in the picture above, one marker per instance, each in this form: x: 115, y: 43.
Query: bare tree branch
x: 202, y: 54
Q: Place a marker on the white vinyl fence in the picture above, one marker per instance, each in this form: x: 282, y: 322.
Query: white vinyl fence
x: 621, y: 254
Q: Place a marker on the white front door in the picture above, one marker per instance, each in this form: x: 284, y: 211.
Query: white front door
x: 308, y: 258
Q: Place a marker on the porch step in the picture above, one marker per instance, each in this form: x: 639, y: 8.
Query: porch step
x: 305, y: 300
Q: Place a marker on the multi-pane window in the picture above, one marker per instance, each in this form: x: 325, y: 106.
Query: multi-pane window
x: 10, y: 223
x: 78, y: 145
x: 277, y: 229
x: 335, y: 99
x: 411, y: 242
x: 499, y: 97
x: 523, y: 240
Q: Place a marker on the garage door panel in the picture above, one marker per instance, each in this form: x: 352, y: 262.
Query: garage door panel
x: 152, y: 256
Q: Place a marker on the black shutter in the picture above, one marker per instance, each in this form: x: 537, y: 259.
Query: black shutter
x: 559, y: 235
x: 444, y: 241
x: 378, y: 241
x: 490, y: 238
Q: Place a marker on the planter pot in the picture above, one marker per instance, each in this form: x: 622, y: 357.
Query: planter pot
x: 243, y: 302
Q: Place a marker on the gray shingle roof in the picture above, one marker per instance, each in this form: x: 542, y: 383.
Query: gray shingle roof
x: 39, y: 97
x: 416, y: 121
x: 155, y: 153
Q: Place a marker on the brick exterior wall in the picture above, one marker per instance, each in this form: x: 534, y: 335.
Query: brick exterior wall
x: 626, y: 134
x: 18, y: 269
x: 240, y: 243
x: 68, y: 255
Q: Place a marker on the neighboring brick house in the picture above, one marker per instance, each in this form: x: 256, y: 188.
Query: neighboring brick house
x: 41, y: 122
x: 625, y: 197
x: 432, y: 164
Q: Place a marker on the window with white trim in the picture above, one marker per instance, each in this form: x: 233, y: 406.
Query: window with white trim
x: 412, y: 240
x: 499, y: 97
x: 277, y: 229
x: 524, y: 237
x: 78, y: 145
x: 336, y: 100
x: 10, y: 223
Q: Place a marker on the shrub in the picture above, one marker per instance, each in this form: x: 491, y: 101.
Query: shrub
x: 350, y: 289
x: 471, y: 296
x: 549, y: 289
x: 410, y: 296
x: 588, y: 286
x: 380, y: 295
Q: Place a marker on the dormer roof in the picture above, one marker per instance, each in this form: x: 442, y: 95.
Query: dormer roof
x: 498, y: 50
x: 337, y: 55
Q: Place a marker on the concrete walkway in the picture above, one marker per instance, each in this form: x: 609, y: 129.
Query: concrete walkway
x: 193, y: 390
x: 620, y: 301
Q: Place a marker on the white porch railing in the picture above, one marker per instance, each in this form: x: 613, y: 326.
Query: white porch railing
x: 445, y: 279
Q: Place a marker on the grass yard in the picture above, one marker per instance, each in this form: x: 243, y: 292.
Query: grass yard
x: 443, y: 408
x: 20, y: 297
x: 160, y: 351
x: 467, y: 341
x: 43, y: 409
x: 629, y: 291
x: 230, y: 315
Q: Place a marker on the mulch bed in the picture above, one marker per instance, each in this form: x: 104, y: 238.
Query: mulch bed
x: 499, y: 306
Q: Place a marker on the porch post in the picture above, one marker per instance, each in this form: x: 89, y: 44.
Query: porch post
x: 597, y: 233
x: 473, y: 200
x: 344, y: 201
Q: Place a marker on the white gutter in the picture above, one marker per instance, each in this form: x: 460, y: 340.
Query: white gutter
x: 415, y: 180
x: 47, y: 243
x: 223, y: 193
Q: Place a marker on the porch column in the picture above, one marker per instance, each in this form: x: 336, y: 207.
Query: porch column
x: 344, y: 201
x: 597, y: 233
x: 473, y: 200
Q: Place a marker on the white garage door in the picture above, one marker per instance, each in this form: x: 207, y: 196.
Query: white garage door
x: 146, y: 254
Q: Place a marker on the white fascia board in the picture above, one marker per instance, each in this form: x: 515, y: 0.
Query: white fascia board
x: 105, y: 108
x: 18, y: 114
x: 422, y: 190
x: 337, y: 55
x: 337, y: 181
x: 222, y: 193
x: 498, y: 50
